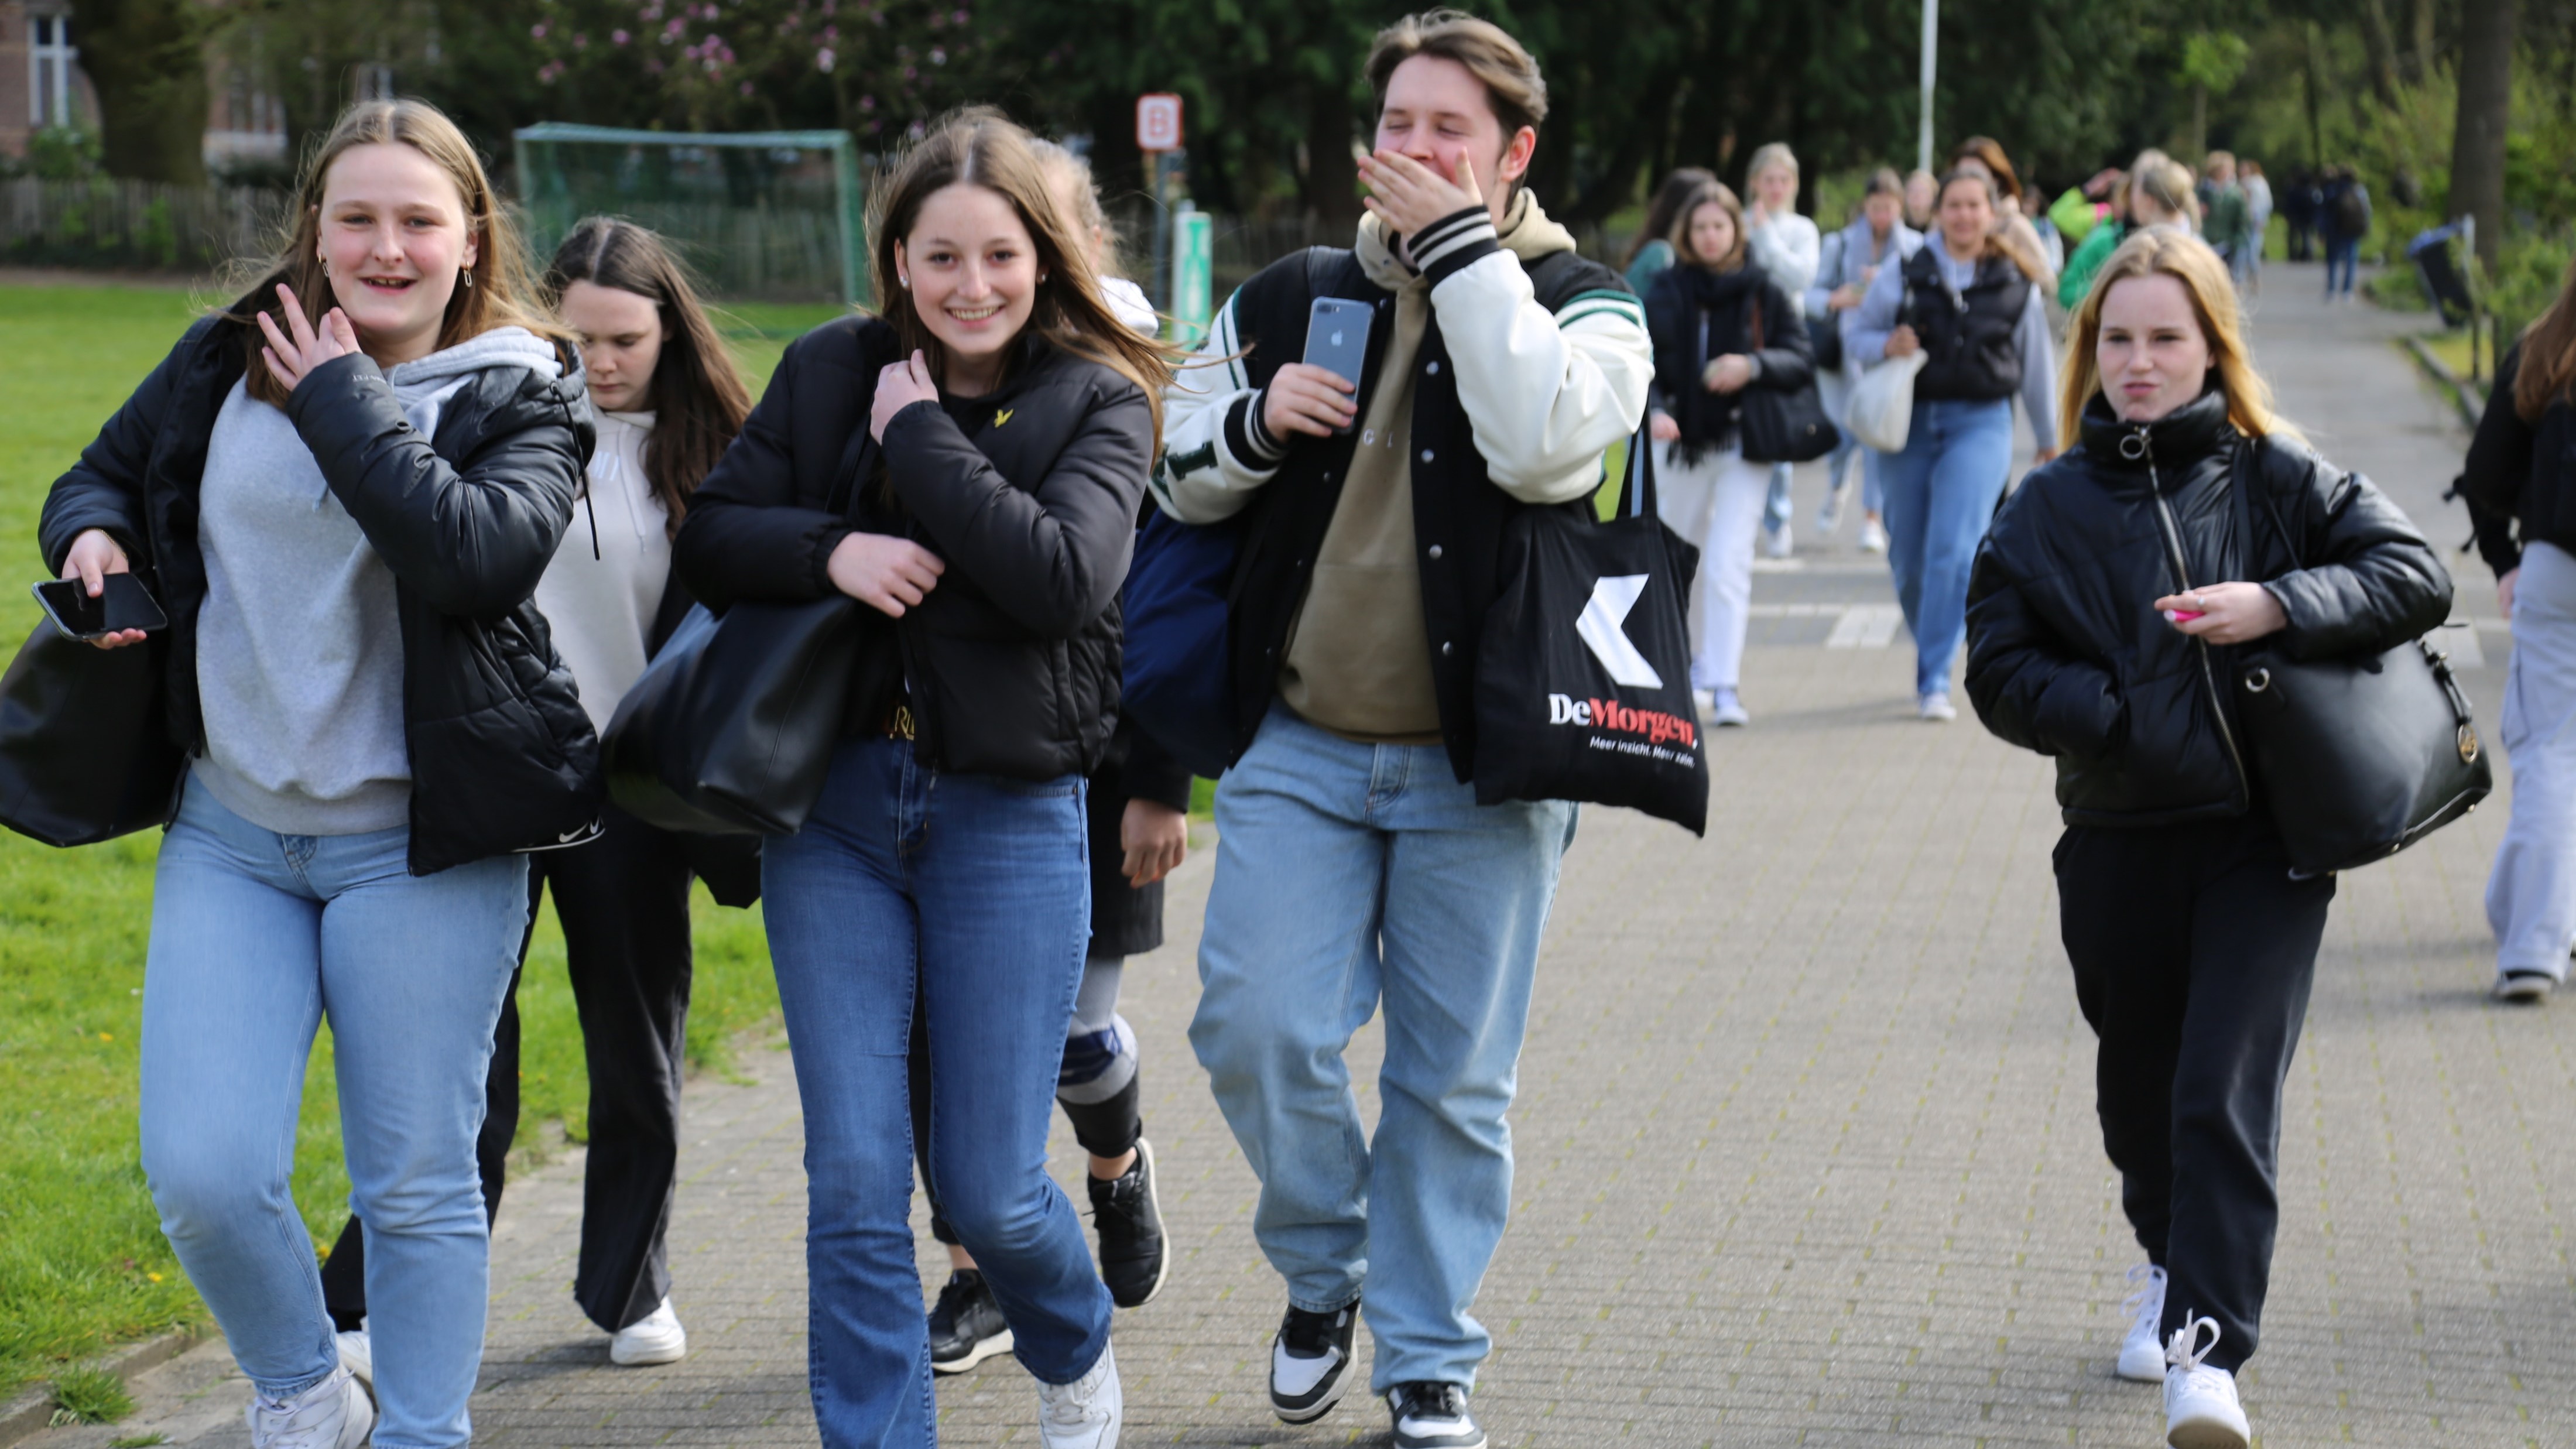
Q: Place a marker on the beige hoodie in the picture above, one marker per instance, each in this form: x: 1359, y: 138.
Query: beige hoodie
x: 1359, y: 659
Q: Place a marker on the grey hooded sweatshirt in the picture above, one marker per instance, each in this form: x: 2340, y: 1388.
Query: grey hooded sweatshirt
x: 299, y: 652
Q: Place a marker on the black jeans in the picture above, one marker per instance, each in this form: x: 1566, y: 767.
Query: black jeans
x: 624, y: 903
x: 2193, y: 953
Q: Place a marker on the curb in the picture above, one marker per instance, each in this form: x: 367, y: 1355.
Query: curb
x: 32, y: 1412
x: 2440, y: 372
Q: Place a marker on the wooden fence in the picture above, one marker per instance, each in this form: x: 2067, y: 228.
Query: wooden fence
x: 122, y: 224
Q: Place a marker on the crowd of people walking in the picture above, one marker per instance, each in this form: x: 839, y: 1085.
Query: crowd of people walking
x: 421, y: 520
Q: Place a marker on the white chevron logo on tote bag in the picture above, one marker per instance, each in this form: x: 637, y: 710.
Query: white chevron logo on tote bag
x: 1600, y: 629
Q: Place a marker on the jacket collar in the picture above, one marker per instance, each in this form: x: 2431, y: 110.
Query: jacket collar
x: 2186, y: 434
x: 1527, y: 232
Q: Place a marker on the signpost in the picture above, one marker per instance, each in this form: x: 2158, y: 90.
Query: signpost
x: 1193, y: 273
x: 1158, y: 135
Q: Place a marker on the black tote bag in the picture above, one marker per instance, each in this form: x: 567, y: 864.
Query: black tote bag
x: 85, y: 749
x: 1782, y: 424
x: 1583, y: 672
x: 2358, y: 758
x: 732, y: 726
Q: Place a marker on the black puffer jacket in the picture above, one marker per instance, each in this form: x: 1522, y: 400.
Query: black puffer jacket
x: 2068, y: 656
x: 2520, y: 475
x: 1695, y: 316
x: 1029, y: 494
x: 502, y: 756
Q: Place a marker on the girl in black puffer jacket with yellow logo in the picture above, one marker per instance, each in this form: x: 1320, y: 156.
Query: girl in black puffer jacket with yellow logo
x: 969, y: 465
x: 2101, y: 617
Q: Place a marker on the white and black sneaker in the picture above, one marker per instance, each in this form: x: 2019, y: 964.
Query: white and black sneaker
x: 966, y: 1325
x: 1433, y: 1416
x: 1310, y: 1362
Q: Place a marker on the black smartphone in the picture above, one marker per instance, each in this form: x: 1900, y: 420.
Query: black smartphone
x: 1337, y: 338
x: 126, y: 604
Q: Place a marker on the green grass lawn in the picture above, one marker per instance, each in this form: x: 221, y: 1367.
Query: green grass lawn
x: 82, y: 1261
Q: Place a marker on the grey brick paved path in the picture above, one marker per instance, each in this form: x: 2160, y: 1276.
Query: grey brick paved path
x: 1807, y: 1151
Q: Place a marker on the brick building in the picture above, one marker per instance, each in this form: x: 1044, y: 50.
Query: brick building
x: 41, y: 85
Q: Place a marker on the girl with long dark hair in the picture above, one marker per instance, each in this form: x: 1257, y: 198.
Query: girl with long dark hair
x: 347, y: 486
x: 2109, y: 599
x: 1720, y: 325
x: 2521, y: 485
x: 969, y: 465
x: 666, y: 399
x: 1651, y: 249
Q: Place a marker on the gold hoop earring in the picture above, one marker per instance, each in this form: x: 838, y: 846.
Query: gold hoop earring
x: 468, y: 274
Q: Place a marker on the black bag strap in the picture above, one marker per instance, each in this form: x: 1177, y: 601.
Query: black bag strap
x: 1637, y: 491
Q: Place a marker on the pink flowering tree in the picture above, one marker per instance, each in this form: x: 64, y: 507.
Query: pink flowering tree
x: 873, y: 67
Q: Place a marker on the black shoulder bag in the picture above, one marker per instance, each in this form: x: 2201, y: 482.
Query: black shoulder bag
x: 2359, y: 758
x: 732, y: 726
x: 85, y: 747
x: 1782, y: 424
x: 1583, y: 671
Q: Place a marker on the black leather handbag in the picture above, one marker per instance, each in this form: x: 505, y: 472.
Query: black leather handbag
x: 1782, y: 424
x: 731, y: 729
x: 2358, y: 758
x: 85, y: 748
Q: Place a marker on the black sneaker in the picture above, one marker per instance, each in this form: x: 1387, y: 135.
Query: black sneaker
x: 966, y: 1325
x: 1310, y: 1362
x: 1130, y: 1224
x: 1432, y: 1416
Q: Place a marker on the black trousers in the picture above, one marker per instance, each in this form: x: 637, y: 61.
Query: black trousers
x: 2193, y: 953
x: 624, y: 903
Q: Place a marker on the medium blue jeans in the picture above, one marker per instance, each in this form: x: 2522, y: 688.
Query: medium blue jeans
x: 2343, y: 255
x: 1941, y: 496
x: 975, y: 892
x: 1351, y: 876
x: 256, y: 937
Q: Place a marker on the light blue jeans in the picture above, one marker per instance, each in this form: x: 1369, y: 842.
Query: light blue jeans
x: 1941, y: 496
x: 256, y: 937
x: 2531, y: 895
x: 1351, y: 876
x: 972, y: 892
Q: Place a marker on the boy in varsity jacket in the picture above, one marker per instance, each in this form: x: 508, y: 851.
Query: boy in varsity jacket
x: 1354, y: 867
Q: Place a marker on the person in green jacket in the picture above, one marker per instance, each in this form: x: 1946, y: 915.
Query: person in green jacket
x: 1650, y: 252
x: 2156, y: 192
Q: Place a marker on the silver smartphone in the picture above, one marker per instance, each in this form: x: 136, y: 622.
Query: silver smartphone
x: 1337, y: 332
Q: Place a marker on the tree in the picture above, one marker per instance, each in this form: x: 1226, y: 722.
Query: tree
x: 2211, y: 61
x: 146, y: 58
x: 2486, y: 109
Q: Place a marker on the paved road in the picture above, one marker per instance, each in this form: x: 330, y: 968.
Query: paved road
x: 1806, y: 1143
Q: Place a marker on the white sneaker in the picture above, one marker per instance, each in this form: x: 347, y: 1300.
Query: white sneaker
x: 2201, y: 1411
x: 1937, y: 708
x: 333, y: 1414
x: 358, y: 1355
x: 657, y: 1337
x: 1777, y: 542
x: 1873, y: 536
x: 1084, y: 1414
x: 1726, y: 711
x: 2142, y: 1353
x: 1706, y: 699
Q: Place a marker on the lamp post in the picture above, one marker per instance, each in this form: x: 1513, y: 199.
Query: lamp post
x: 1931, y: 57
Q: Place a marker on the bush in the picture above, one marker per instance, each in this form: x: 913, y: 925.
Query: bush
x: 62, y: 153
